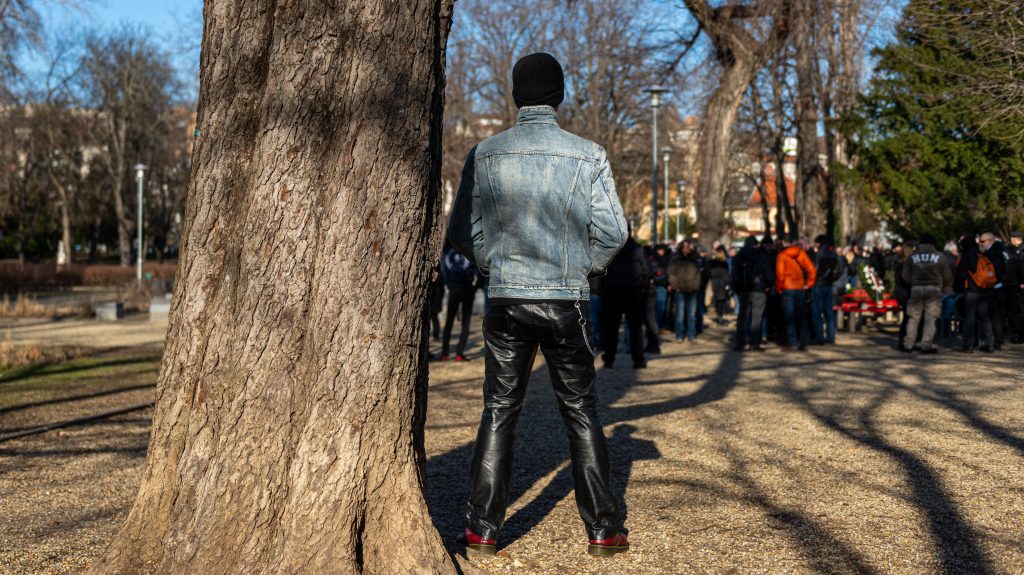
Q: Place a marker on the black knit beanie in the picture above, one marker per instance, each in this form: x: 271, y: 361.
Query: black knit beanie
x: 537, y: 80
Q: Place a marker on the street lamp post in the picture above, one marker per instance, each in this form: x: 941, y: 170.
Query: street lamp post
x: 655, y: 92
x: 680, y: 197
x: 665, y: 153
x: 140, y: 174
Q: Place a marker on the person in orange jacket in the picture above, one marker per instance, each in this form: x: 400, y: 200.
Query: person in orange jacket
x: 794, y: 276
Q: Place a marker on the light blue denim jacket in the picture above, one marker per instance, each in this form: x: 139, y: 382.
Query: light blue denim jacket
x: 537, y: 210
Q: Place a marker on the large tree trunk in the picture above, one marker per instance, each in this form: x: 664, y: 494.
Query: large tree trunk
x: 719, y: 118
x: 809, y: 198
x: 741, y: 55
x: 288, y: 430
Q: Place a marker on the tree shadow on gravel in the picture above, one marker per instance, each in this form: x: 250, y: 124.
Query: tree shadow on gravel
x: 951, y: 398
x: 956, y: 543
x: 93, y: 395
x: 136, y: 452
x: 542, y: 447
x: 825, y: 552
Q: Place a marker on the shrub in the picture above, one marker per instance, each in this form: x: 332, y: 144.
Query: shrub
x: 113, y: 275
x: 15, y: 277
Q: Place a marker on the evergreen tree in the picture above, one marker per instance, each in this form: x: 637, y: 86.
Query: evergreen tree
x: 931, y: 156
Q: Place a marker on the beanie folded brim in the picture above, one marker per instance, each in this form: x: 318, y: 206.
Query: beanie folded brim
x: 553, y: 99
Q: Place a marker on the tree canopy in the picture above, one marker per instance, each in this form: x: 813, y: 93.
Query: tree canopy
x: 932, y: 155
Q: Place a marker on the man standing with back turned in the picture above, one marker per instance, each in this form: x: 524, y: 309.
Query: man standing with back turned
x: 929, y: 276
x: 538, y: 213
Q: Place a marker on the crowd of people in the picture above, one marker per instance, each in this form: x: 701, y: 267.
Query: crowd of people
x: 781, y: 291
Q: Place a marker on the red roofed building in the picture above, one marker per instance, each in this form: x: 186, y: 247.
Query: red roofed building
x: 755, y: 214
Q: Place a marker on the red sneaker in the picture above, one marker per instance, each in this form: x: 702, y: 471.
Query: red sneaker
x: 460, y: 358
x: 444, y: 357
x: 608, y: 547
x: 476, y: 543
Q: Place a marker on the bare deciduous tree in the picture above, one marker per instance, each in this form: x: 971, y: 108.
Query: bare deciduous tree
x: 843, y: 45
x: 810, y: 185
x: 66, y: 131
x: 743, y: 36
x: 990, y: 34
x: 24, y: 195
x: 20, y: 26
x: 768, y: 114
x: 130, y: 83
x: 609, y: 50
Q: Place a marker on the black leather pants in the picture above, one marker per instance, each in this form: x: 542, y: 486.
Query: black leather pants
x: 513, y: 334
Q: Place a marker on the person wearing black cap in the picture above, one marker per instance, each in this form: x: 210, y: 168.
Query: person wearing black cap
x: 538, y: 213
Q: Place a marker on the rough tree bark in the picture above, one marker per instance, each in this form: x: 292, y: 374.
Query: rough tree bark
x: 287, y: 436
x: 810, y: 196
x: 740, y: 55
x: 839, y: 88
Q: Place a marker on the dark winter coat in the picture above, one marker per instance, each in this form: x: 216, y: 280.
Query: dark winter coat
x: 458, y: 273
x: 718, y: 270
x: 826, y: 264
x: 659, y: 269
x: 684, y: 274
x: 997, y: 255
x: 1014, y: 267
x: 760, y: 267
x: 926, y: 267
x: 628, y: 270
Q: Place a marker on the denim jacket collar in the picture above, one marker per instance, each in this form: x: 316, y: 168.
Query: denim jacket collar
x: 537, y: 115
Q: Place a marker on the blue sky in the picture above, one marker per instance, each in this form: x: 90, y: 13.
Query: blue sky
x: 177, y: 25
x: 167, y: 19
x: 174, y: 24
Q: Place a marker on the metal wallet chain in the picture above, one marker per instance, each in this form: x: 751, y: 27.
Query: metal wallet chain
x: 583, y: 324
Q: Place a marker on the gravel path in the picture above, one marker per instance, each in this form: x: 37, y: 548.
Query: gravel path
x: 63, y: 494
x: 847, y: 459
